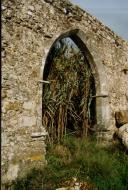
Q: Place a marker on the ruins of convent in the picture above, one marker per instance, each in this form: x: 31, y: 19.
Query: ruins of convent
x: 29, y: 30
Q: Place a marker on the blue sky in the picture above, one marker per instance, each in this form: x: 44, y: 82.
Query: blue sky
x: 112, y: 13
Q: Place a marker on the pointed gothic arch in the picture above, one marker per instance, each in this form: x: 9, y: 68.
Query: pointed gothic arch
x: 103, y: 116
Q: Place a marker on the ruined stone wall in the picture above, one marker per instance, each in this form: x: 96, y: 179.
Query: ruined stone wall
x: 29, y: 28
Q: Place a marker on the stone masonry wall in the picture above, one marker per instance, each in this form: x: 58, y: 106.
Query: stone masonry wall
x: 29, y: 28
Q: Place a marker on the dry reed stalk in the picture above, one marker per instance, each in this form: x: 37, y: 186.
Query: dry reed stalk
x: 59, y: 123
x: 70, y: 79
x: 65, y: 121
x: 62, y: 123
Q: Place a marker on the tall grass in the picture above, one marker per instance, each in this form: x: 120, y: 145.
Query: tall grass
x: 66, y: 99
x: 66, y: 102
x: 105, y: 168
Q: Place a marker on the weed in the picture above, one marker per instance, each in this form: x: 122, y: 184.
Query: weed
x: 103, y: 167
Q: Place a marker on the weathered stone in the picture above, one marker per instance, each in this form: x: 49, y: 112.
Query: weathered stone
x: 29, y: 105
x: 3, y: 54
x: 121, y: 117
x: 3, y: 8
x: 30, y: 13
x: 11, y: 105
x: 38, y: 134
x: 27, y: 121
x: 4, y: 139
x: 123, y: 134
x: 12, y: 172
x: 31, y: 8
x: 28, y: 32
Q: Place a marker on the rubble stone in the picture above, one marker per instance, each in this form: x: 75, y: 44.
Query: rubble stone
x: 121, y: 117
x: 123, y: 134
x: 28, y: 32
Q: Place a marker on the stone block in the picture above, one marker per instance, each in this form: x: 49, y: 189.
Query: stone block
x: 30, y: 105
x: 121, y: 117
x: 39, y: 134
x: 27, y: 121
x: 4, y: 139
x: 12, y: 172
x: 123, y: 134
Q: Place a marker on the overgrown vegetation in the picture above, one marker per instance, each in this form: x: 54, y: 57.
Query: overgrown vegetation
x: 66, y: 115
x: 103, y: 167
x: 66, y: 99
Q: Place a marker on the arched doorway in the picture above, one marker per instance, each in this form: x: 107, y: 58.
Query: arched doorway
x: 98, y: 117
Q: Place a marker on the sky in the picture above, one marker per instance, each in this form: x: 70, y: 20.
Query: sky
x: 112, y: 13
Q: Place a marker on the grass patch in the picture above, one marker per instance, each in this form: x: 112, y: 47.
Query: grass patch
x: 103, y: 167
x: 32, y: 181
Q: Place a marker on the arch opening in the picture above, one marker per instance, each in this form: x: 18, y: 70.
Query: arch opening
x: 92, y: 111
